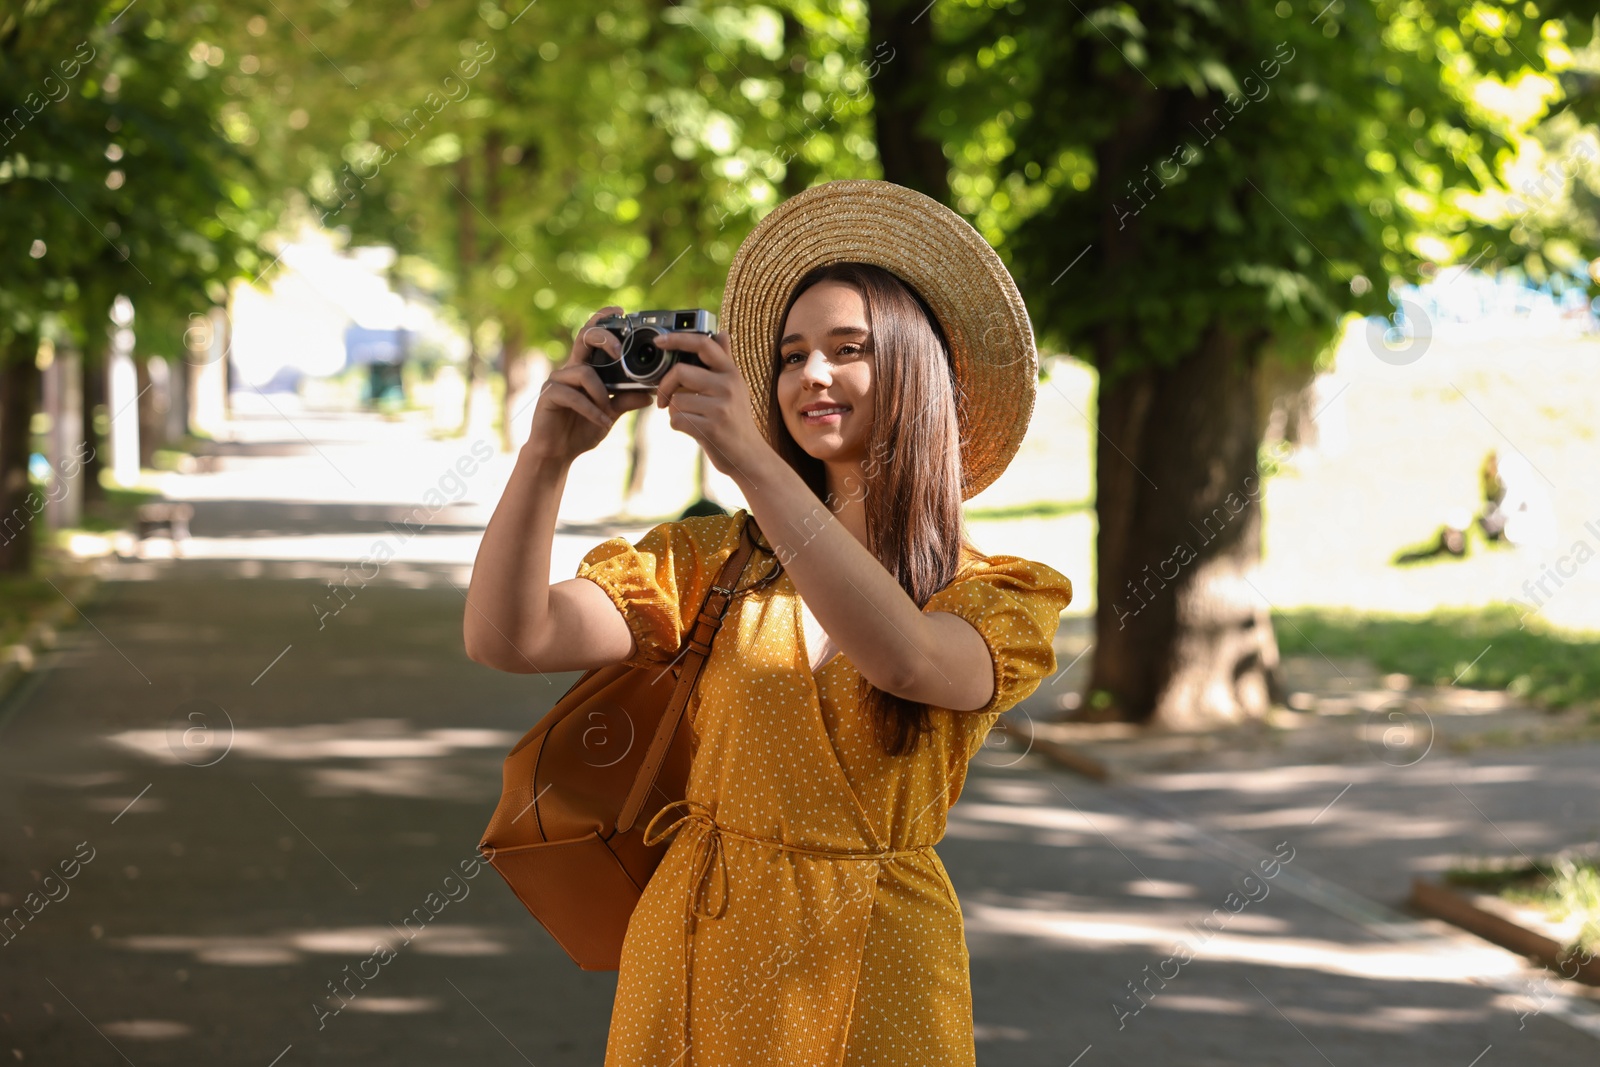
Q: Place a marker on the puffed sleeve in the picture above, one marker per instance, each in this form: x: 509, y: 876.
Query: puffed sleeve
x: 659, y: 582
x: 1016, y: 605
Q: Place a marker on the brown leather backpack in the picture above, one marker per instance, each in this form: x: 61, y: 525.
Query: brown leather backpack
x: 568, y: 833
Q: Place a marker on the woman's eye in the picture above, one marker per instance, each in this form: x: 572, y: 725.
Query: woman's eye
x: 789, y: 358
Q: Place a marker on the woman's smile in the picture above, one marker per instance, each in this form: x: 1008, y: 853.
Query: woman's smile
x: 816, y: 415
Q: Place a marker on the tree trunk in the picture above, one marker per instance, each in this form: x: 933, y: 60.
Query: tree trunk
x: 701, y: 483
x: 474, y: 372
x: 638, y: 456
x: 177, y: 427
x: 467, y: 256
x: 93, y: 369
x: 901, y: 44
x: 514, y: 365
x: 798, y: 174
x: 152, y: 411
x: 1184, y: 640
x: 1286, y: 401
x: 230, y: 376
x: 19, y: 398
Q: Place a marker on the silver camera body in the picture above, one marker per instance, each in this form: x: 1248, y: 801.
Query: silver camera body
x: 643, y: 365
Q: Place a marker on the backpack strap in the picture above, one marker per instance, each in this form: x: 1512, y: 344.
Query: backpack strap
x: 695, y: 649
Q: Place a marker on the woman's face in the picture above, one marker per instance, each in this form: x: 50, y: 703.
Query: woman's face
x: 826, y: 361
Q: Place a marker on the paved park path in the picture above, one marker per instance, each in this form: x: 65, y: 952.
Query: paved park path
x: 253, y: 793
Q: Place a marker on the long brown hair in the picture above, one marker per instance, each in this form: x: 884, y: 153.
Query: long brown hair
x: 912, y: 494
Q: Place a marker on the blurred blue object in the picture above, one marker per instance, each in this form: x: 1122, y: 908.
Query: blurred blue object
x: 363, y: 346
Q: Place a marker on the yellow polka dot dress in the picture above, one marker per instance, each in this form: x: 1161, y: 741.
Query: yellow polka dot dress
x: 801, y: 915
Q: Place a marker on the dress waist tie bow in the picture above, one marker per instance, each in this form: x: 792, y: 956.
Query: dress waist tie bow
x: 708, y: 859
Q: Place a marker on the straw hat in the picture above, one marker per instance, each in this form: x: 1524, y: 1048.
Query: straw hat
x: 941, y: 256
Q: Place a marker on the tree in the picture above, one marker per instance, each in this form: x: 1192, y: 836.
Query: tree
x: 114, y: 162
x: 613, y: 158
x: 1187, y: 191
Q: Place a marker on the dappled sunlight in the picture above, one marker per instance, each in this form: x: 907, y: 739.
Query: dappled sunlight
x: 400, y: 778
x: 81, y: 779
x: 1205, y: 1005
x: 372, y: 739
x: 1168, y: 923
x: 1493, y: 775
x: 1283, y: 779
x: 296, y: 946
x: 959, y: 829
x: 1010, y: 790
x: 1381, y: 1018
x: 116, y: 805
x: 393, y: 1005
x: 1118, y: 931
x: 1360, y: 824
x: 1159, y: 889
x: 454, y: 549
x: 1046, y: 818
x: 1004, y: 822
x: 981, y: 1032
x: 152, y: 564
x: 223, y: 949
x: 1069, y: 828
x: 1270, y: 818
x: 387, y: 757
x: 146, y: 1029
x: 1435, y: 769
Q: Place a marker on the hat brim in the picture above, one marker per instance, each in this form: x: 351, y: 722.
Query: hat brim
x: 940, y: 255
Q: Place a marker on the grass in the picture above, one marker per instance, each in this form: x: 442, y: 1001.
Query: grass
x: 118, y: 512
x: 1039, y: 509
x: 1483, y: 648
x: 1564, y: 887
x: 20, y: 600
x: 23, y: 596
x: 170, y: 456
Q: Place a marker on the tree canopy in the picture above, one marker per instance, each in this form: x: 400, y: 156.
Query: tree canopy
x: 115, y: 175
x: 1155, y: 168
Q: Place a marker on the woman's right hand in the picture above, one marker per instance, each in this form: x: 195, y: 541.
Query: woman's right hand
x: 574, y: 413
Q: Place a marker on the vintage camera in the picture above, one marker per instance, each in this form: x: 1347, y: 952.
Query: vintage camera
x: 643, y: 365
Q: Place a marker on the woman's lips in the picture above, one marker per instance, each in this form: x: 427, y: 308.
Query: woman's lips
x: 825, y: 415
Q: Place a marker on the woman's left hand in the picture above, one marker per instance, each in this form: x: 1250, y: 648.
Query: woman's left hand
x: 711, y: 403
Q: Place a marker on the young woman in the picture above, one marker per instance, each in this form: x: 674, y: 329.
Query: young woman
x: 880, y: 370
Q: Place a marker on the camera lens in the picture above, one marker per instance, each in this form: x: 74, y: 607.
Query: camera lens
x: 641, y: 359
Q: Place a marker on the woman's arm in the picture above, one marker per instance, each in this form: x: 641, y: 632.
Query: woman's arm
x: 936, y: 658
x: 516, y: 620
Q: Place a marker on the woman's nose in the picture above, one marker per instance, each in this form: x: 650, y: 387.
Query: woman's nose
x: 816, y: 369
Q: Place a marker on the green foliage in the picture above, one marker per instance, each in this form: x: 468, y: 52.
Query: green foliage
x: 1161, y: 169
x: 23, y: 598
x: 582, y: 157
x: 115, y: 176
